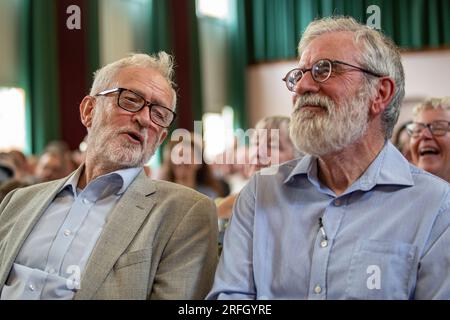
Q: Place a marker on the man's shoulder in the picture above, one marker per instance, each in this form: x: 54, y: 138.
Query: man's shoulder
x: 36, y: 189
x: 173, y: 202
x: 177, y: 191
x: 427, y: 180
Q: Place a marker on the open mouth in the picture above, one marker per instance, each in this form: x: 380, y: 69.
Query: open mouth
x: 428, y: 151
x: 134, y: 137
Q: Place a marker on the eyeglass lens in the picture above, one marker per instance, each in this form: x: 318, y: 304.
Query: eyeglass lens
x: 438, y: 128
x: 320, y: 71
x: 162, y: 116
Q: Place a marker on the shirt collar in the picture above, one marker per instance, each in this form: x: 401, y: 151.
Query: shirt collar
x: 122, y: 178
x: 388, y: 168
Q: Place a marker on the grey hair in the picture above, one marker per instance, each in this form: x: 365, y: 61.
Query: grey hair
x: 162, y: 62
x: 281, y: 123
x: 379, y: 54
x: 432, y: 103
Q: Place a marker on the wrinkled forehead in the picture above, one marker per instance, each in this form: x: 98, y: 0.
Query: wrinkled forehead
x: 332, y: 45
x: 146, y: 81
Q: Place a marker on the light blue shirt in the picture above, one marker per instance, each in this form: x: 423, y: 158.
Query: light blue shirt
x: 52, y: 259
x: 386, y: 237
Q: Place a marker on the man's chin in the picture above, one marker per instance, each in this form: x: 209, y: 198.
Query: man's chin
x: 126, y: 160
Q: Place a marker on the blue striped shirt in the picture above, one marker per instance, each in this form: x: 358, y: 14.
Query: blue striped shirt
x: 52, y: 259
x: 385, y: 237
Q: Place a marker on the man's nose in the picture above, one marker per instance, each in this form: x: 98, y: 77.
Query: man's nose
x: 306, y: 84
x: 143, y: 117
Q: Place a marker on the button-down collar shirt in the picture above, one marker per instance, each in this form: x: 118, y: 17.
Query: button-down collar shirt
x: 52, y: 259
x: 291, y: 237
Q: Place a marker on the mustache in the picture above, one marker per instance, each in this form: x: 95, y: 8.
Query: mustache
x: 141, y: 131
x: 313, y: 100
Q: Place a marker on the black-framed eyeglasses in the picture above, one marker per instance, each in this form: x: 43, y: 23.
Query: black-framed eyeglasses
x: 437, y: 128
x: 133, y: 102
x: 321, y: 71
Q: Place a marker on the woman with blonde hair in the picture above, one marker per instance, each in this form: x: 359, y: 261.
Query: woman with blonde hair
x: 430, y: 140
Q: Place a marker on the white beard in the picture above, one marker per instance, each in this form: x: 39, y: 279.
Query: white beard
x: 323, y: 132
x: 108, y: 147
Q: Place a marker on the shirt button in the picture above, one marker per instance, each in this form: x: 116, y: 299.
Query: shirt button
x: 317, y: 289
x: 67, y: 232
x: 85, y: 201
x: 31, y: 287
x: 323, y: 243
x: 337, y: 202
x: 51, y: 271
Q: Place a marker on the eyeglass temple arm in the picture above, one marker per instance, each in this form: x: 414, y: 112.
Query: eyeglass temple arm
x: 359, y: 68
x: 107, y: 92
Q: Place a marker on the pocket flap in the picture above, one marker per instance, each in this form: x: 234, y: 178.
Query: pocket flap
x: 133, y: 257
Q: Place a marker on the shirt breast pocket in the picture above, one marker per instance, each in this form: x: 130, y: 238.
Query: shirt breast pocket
x: 381, y: 270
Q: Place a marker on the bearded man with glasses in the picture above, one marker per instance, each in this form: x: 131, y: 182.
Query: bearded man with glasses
x: 352, y: 219
x: 108, y: 231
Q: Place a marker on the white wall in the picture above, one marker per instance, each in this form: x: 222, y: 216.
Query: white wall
x: 427, y: 74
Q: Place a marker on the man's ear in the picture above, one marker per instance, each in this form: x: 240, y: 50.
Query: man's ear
x: 87, y: 107
x: 384, y: 94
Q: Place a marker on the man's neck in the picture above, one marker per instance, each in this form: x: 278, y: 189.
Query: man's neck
x: 93, y: 169
x: 339, y: 170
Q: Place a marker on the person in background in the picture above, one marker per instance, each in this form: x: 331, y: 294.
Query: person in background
x: 183, y: 164
x: 23, y: 170
x: 107, y: 231
x: 401, y: 141
x: 51, y: 166
x: 61, y: 147
x: 7, y: 168
x: 430, y: 140
x: 260, y: 153
x: 267, y: 148
x: 353, y: 219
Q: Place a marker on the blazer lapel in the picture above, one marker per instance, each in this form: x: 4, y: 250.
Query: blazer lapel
x: 26, y: 220
x: 121, y: 227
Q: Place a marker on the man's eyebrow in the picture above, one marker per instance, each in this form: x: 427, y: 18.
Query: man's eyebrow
x: 155, y: 100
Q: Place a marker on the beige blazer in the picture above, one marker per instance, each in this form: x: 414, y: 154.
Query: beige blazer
x: 159, y: 242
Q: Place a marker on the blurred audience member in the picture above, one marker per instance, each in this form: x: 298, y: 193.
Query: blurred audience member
x: 401, y: 141
x: 230, y: 167
x: 430, y: 140
x: 261, y: 148
x: 6, y: 167
x: 183, y: 164
x: 22, y: 168
x: 51, y: 166
x: 262, y: 145
x: 63, y: 149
